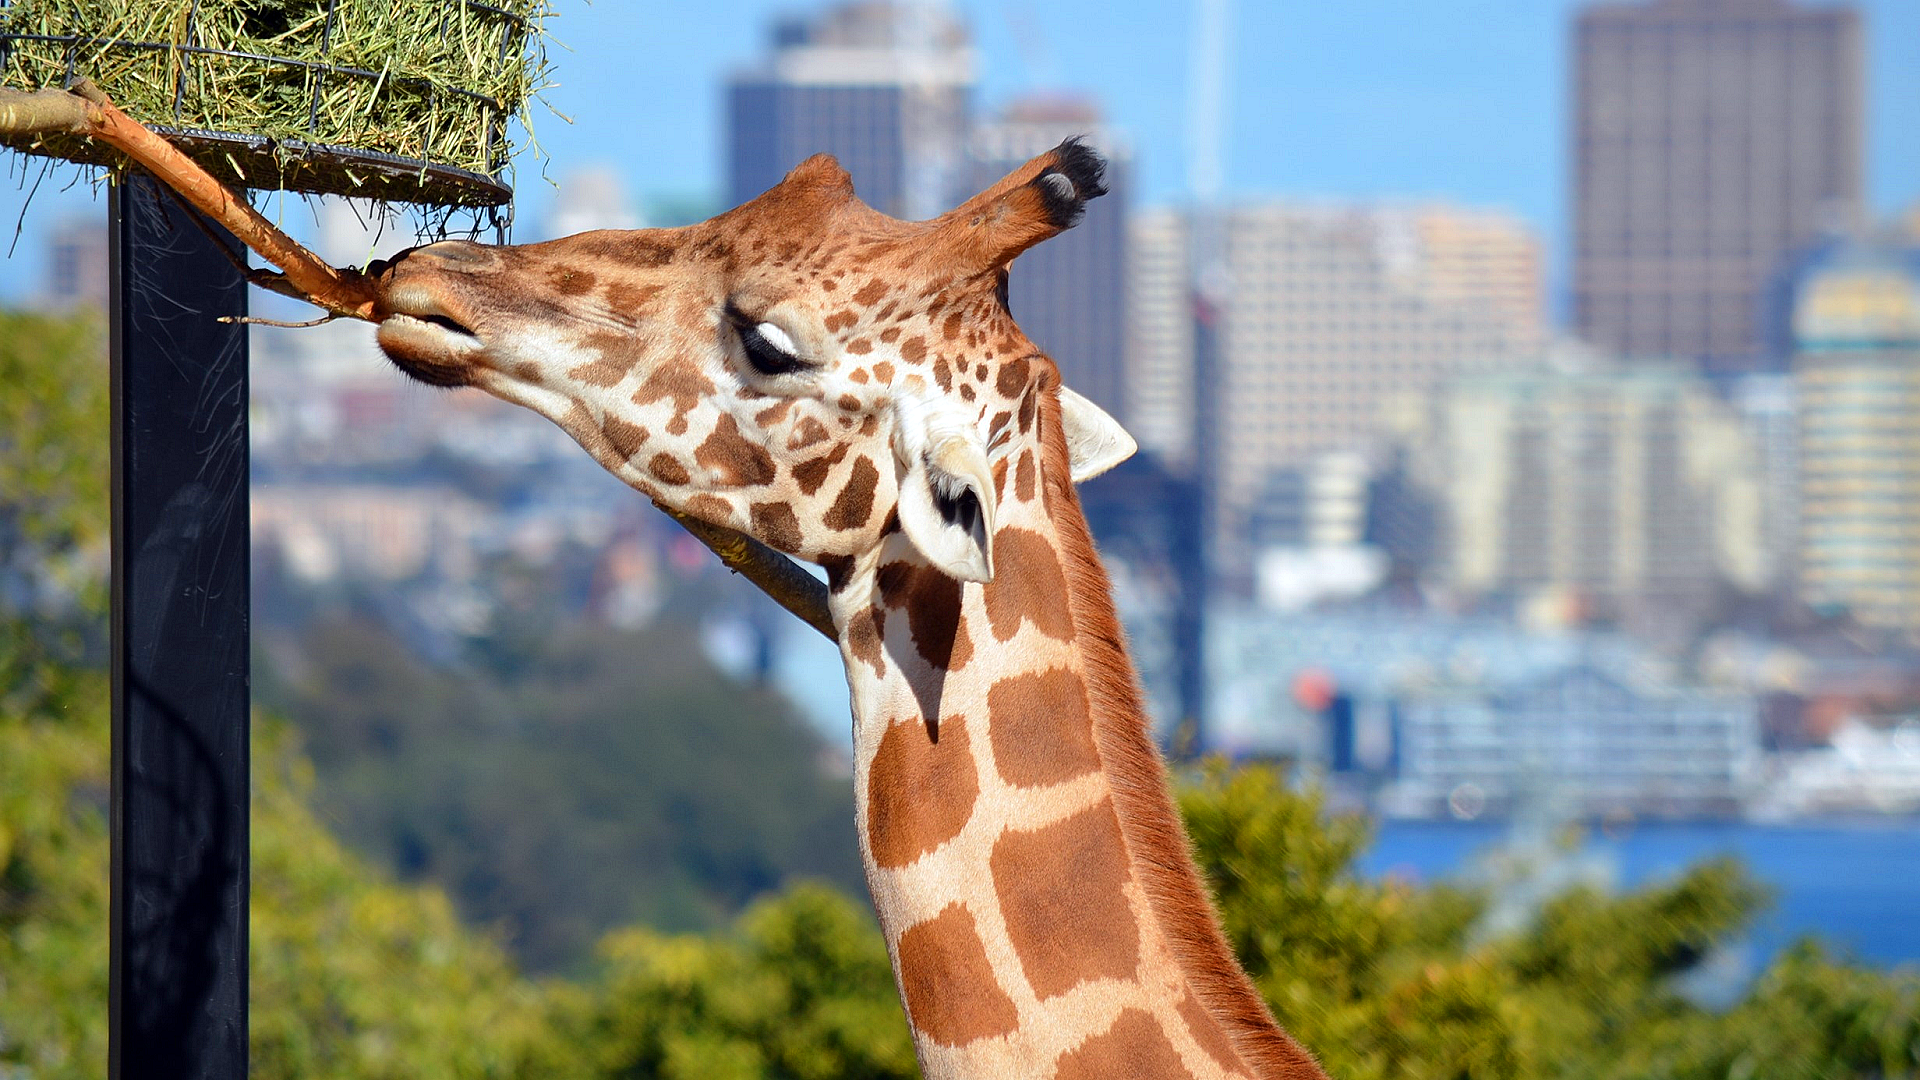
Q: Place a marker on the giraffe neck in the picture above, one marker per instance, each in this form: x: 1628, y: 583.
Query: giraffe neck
x: 1028, y: 868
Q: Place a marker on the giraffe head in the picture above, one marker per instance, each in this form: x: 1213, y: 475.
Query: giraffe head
x: 802, y: 368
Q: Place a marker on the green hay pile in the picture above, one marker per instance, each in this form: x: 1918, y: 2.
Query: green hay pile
x: 262, y: 121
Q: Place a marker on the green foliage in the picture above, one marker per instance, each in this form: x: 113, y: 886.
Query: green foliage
x: 53, y: 711
x: 53, y: 428
x: 609, y: 777
x: 53, y: 465
x: 1382, y: 980
x: 799, y: 990
x: 355, y: 977
x: 53, y: 863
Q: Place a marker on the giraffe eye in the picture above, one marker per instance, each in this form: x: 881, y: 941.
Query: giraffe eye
x: 769, y: 349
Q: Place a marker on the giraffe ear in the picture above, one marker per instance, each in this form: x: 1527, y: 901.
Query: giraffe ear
x: 1040, y: 199
x: 946, y: 488
x: 1095, y: 441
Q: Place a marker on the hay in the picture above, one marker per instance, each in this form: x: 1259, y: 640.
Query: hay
x: 393, y: 99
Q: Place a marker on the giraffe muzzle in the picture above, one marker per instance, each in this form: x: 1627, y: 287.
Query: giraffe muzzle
x: 421, y: 333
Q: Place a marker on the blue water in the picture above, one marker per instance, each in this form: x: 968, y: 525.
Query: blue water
x: 1853, y: 884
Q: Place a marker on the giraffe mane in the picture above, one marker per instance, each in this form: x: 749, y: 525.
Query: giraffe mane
x: 1155, y: 839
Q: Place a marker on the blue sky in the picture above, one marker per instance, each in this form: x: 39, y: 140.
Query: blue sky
x: 1460, y: 100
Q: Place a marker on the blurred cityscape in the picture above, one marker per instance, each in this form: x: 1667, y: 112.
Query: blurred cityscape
x: 1392, y: 521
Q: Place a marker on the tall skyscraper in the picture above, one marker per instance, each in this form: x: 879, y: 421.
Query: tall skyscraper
x: 1158, y: 411
x: 1330, y: 313
x: 1857, y: 365
x: 883, y: 86
x: 1069, y: 294
x: 1711, y: 138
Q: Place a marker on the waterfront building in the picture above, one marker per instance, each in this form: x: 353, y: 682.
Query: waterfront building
x: 1856, y: 329
x: 1591, y: 740
x: 1711, y: 139
x: 1591, y: 482
x: 1069, y: 294
x: 883, y: 86
x: 1270, y: 675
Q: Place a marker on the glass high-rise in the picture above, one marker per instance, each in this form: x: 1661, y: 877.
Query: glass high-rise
x: 883, y: 86
x: 1711, y: 138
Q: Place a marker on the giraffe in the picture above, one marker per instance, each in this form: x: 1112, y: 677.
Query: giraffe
x: 851, y: 390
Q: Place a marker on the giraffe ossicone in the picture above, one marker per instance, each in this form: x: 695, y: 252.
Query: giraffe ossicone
x: 852, y: 390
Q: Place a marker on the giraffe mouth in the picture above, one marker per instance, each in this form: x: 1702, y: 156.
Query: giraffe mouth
x: 426, y: 342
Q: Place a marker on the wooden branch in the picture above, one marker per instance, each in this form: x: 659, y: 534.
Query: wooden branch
x: 802, y: 594
x: 84, y: 110
x: 88, y: 111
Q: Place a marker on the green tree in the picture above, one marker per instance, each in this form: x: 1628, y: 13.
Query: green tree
x: 800, y: 989
x: 1383, y: 980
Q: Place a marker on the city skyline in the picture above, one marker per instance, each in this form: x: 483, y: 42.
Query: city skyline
x: 1373, y: 107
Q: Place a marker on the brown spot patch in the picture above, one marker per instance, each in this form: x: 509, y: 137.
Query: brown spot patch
x: 573, y: 282
x: 609, y: 369
x: 1023, y: 477
x: 1012, y: 378
x: 626, y: 438
x: 735, y: 460
x: 773, y: 414
x: 951, y: 328
x: 859, y: 346
x: 1042, y: 732
x: 932, y: 600
x: 1207, y: 1032
x: 813, y: 472
x: 854, y: 505
x: 624, y: 298
x: 839, y: 568
x: 920, y: 789
x: 1027, y: 405
x: 870, y: 294
x: 860, y: 375
x: 1060, y: 892
x: 883, y: 371
x: 840, y: 320
x: 913, y: 350
x: 808, y: 432
x: 966, y: 392
x: 1133, y: 1046
x: 891, y: 334
x: 650, y: 253
x: 866, y: 634
x: 680, y: 381
x: 849, y: 403
x: 1031, y: 588
x: 667, y: 468
x: 711, y: 508
x: 947, y: 983
x: 775, y: 525
x: 1000, y: 480
x: 942, y: 374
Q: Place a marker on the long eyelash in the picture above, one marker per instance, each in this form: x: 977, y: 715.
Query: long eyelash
x: 765, y: 357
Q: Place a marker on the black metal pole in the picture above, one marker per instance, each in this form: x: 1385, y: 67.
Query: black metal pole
x: 180, y: 647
